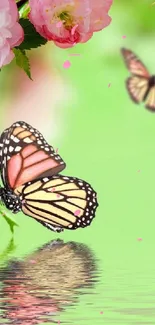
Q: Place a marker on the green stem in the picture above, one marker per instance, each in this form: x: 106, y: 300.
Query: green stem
x: 21, y: 3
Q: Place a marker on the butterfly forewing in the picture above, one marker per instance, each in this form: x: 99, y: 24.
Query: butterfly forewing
x: 3, y: 160
x: 26, y: 156
x: 133, y: 63
x: 59, y: 201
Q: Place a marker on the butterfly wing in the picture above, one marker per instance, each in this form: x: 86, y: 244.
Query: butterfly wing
x: 25, y: 155
x: 138, y: 83
x: 137, y: 88
x: 2, y: 142
x: 59, y: 202
x: 150, y: 99
x: 134, y: 64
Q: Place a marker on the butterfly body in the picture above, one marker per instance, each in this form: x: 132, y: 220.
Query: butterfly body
x: 140, y: 85
x: 30, y: 169
x: 152, y: 81
x: 151, y: 84
x: 11, y: 201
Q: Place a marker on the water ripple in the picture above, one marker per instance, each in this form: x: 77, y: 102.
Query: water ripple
x: 47, y: 282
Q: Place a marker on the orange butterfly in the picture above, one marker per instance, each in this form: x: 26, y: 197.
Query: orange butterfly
x: 30, y: 174
x: 141, y: 85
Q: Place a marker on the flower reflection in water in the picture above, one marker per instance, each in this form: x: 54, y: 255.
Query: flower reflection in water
x: 46, y: 282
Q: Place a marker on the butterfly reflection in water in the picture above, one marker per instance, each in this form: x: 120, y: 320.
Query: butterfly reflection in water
x: 47, y: 282
x: 141, y: 85
x: 30, y: 174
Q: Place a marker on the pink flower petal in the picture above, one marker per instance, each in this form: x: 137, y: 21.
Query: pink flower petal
x: 59, y: 24
x: 124, y: 36
x: 11, y: 32
x: 74, y: 29
x: 84, y: 17
x: 17, y: 35
x: 6, y: 55
x: 58, y: 195
x: 88, y: 10
x: 66, y: 64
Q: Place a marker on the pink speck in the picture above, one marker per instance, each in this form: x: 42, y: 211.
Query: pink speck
x: 124, y: 36
x: 101, y: 312
x: 53, y: 189
x: 56, y: 150
x: 109, y: 85
x: 74, y: 29
x: 74, y: 44
x: 59, y: 24
x: 58, y: 321
x: 33, y: 261
x: 139, y: 239
x: 77, y: 212
x: 66, y: 64
x: 58, y: 195
x: 139, y: 171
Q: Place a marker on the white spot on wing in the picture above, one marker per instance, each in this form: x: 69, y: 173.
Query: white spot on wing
x: 11, y: 149
x: 18, y: 148
x: 28, y: 140
x: 45, y: 179
x: 16, y: 140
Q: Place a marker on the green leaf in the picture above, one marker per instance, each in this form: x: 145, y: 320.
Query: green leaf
x: 24, y: 10
x: 22, y: 61
x: 8, y: 250
x: 32, y: 39
x: 10, y: 221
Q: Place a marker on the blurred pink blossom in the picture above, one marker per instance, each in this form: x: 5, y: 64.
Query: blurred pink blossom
x: 11, y: 33
x: 88, y: 16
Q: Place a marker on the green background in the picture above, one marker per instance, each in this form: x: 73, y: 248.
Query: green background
x: 110, y: 142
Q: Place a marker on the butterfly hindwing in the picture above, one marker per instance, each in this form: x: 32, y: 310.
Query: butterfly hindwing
x: 150, y: 100
x: 137, y: 88
x: 26, y: 156
x: 59, y: 202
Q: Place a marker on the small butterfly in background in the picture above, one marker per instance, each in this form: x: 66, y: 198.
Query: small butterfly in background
x: 141, y: 85
x: 30, y: 169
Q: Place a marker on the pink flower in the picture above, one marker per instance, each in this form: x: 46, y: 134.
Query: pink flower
x: 80, y: 19
x: 11, y: 33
